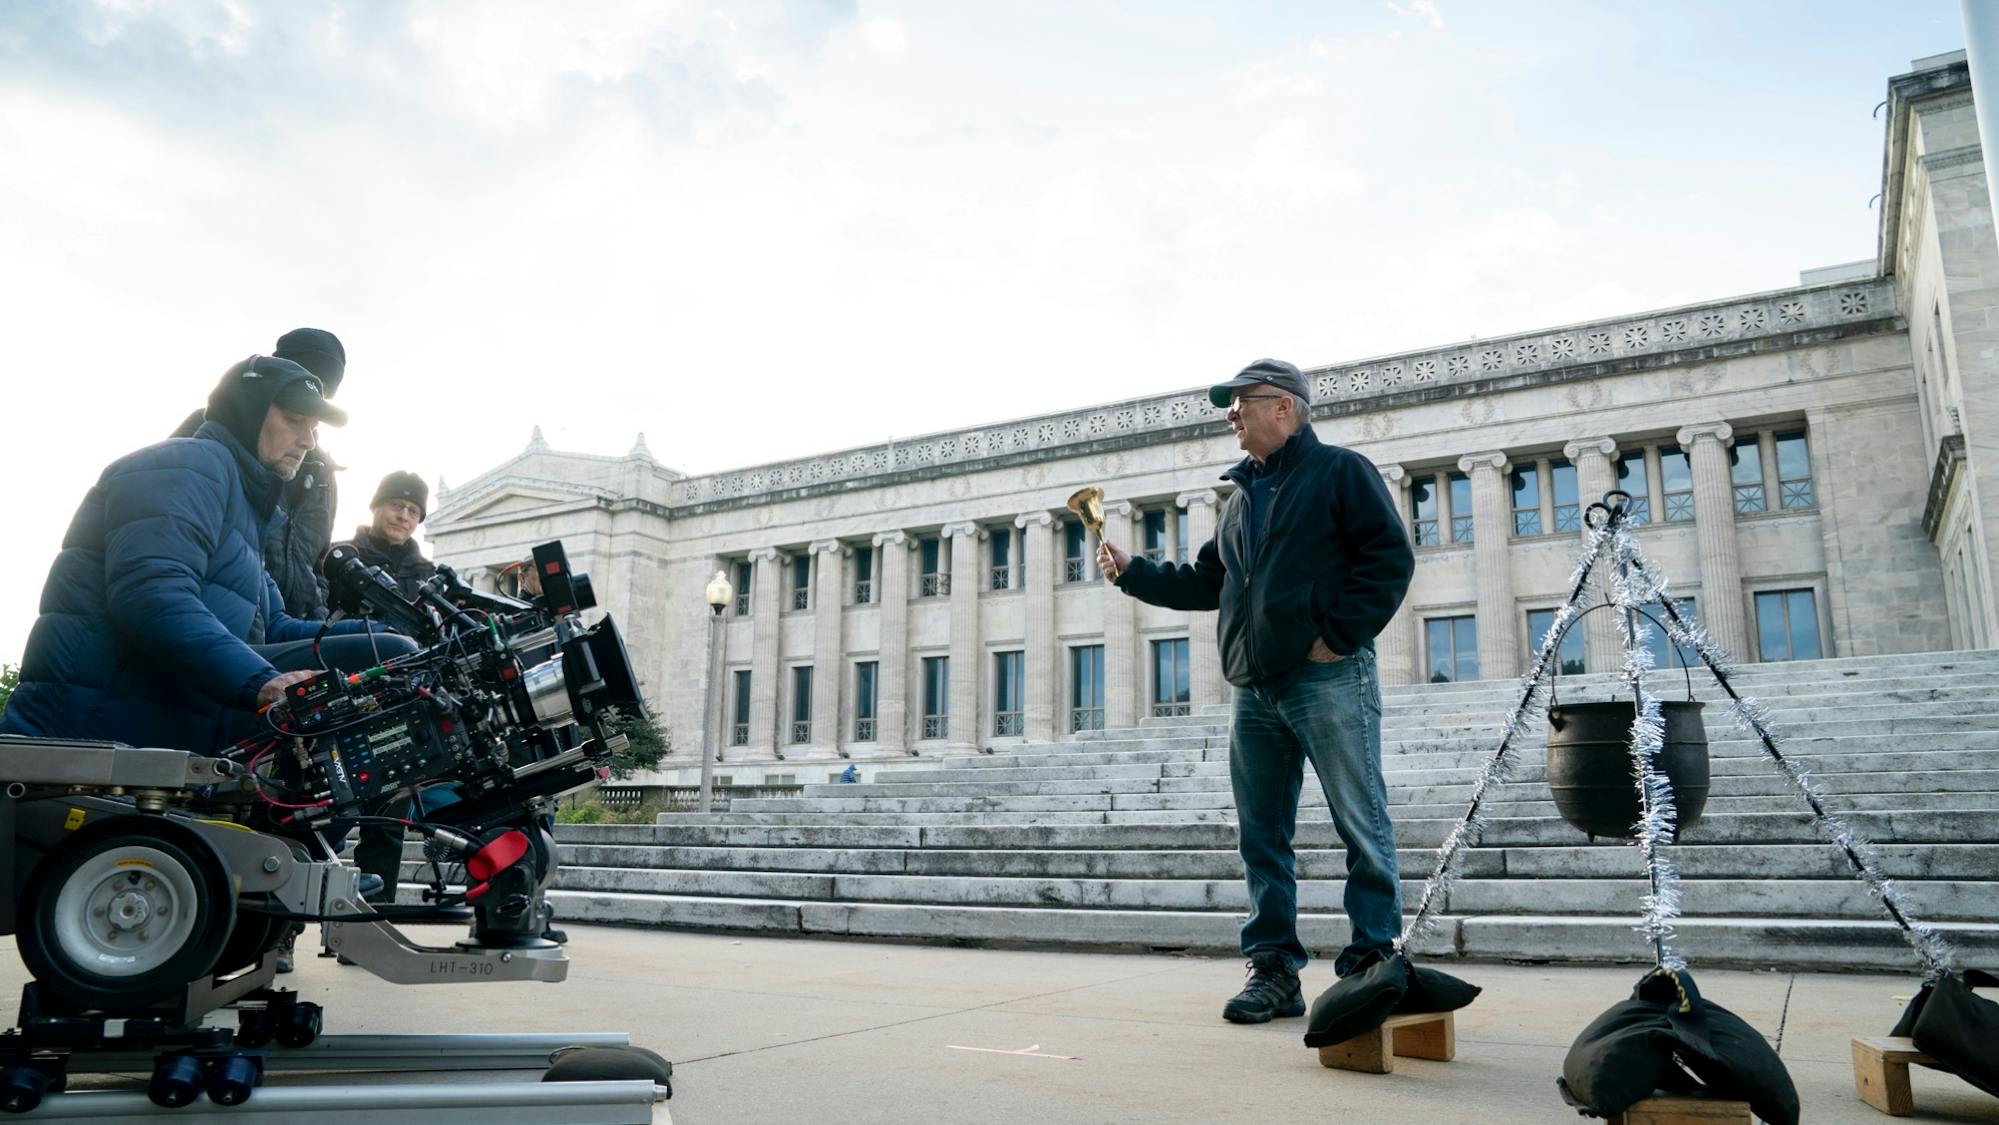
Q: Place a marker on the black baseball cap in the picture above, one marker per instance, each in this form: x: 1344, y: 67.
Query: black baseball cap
x: 298, y: 390
x: 1265, y: 372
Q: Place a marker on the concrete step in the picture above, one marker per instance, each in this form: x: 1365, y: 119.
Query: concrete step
x: 1752, y: 942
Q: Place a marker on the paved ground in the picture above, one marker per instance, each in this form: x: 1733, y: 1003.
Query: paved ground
x: 773, y: 1030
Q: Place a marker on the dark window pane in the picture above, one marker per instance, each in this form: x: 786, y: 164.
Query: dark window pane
x: 1562, y: 479
x: 1074, y: 537
x: 1423, y: 499
x: 1526, y: 488
x: 742, y: 697
x: 929, y: 551
x: 1002, y: 547
x: 1155, y: 531
x: 1745, y: 460
x: 864, y: 564
x: 1437, y: 644
x: 1460, y: 495
x: 1465, y: 639
x: 801, y: 693
x: 1793, y: 459
x: 1802, y: 610
x: 801, y: 571
x: 1770, y: 631
x: 864, y: 690
x: 1674, y: 473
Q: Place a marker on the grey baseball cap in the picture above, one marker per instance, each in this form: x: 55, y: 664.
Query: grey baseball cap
x: 1273, y: 373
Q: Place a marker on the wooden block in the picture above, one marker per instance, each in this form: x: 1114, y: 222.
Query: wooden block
x: 1431, y: 1035
x: 1881, y: 1073
x: 1685, y: 1111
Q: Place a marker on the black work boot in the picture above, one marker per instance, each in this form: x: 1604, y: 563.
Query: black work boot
x: 1271, y: 991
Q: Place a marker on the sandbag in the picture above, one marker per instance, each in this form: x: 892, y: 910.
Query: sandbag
x: 609, y: 1064
x: 1957, y: 1027
x: 1382, y: 985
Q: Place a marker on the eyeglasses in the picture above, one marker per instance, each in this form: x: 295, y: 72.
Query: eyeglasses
x: 1235, y: 407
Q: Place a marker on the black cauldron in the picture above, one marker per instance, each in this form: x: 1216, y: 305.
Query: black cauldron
x: 1589, y: 759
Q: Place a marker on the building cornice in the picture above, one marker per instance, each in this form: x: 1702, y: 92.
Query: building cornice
x: 1904, y: 91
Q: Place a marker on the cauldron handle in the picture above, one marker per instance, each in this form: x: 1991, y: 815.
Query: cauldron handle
x: 1555, y: 670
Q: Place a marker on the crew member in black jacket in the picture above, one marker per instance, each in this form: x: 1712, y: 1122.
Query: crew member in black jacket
x: 401, y: 502
x: 1308, y: 563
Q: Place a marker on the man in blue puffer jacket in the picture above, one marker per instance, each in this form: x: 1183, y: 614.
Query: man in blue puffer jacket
x: 159, y: 625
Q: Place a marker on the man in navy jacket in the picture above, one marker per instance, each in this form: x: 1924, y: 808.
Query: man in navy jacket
x: 1308, y: 563
x: 159, y: 625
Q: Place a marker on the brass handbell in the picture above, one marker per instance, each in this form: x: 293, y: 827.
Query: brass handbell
x: 1088, y: 504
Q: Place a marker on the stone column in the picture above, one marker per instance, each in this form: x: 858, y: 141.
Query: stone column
x: 892, y: 656
x: 1396, y: 646
x: 828, y: 605
x: 1596, y: 474
x: 1720, y: 608
x: 1204, y: 653
x: 1492, y: 549
x: 1121, y: 657
x: 765, y: 589
x: 966, y: 573
x: 1043, y: 653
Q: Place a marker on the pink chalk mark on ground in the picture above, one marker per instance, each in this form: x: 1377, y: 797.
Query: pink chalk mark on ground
x: 1033, y: 1052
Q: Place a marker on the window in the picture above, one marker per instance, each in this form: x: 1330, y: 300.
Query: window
x: 1745, y: 472
x: 1077, y: 565
x: 1180, y: 539
x: 864, y: 575
x: 936, y: 696
x: 780, y: 779
x: 864, y: 701
x: 801, y: 703
x: 801, y: 580
x: 744, y: 574
x: 1461, y: 511
x: 935, y: 581
x: 1794, y: 473
x: 1527, y: 501
x: 1086, y: 687
x: 1569, y: 658
x: 1452, y: 643
x: 1002, y: 559
x: 1170, y: 691
x: 1631, y: 478
x: 739, y: 733
x: 1423, y: 511
x: 1676, y: 484
x: 1667, y: 657
x: 1787, y: 625
x: 1009, y: 675
x: 1155, y: 535
x: 1562, y: 485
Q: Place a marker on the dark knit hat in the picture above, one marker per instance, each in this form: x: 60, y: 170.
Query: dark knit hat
x: 319, y: 352
x: 404, y: 485
x: 247, y: 390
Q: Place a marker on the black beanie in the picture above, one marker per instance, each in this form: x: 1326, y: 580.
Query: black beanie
x: 319, y: 352
x: 404, y: 485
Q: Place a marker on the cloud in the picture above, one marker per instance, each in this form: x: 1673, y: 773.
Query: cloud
x: 887, y: 38
x: 1424, y: 10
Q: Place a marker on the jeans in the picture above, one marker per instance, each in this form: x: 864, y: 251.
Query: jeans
x: 1330, y: 714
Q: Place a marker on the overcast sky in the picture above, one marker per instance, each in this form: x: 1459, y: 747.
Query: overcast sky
x: 767, y: 229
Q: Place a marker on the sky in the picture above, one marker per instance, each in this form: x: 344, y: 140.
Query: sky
x: 766, y: 229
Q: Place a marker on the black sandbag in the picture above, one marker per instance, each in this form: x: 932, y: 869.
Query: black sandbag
x: 1383, y: 985
x: 1668, y: 1039
x: 1957, y: 1027
x: 610, y: 1064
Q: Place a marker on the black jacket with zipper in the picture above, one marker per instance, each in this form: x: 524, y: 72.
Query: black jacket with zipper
x: 300, y: 532
x: 1330, y: 560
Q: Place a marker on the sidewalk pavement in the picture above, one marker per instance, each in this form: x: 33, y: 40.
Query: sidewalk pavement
x: 775, y: 1030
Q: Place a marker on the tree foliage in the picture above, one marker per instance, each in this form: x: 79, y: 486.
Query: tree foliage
x: 10, y: 678
x: 650, y: 744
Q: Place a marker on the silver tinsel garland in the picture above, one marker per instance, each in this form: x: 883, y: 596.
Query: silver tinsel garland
x: 1631, y: 588
x: 1466, y: 833
x: 1861, y: 859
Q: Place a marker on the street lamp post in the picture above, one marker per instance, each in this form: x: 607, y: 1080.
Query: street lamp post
x: 720, y: 594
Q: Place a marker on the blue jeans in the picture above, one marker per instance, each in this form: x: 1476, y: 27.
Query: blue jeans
x: 1331, y: 714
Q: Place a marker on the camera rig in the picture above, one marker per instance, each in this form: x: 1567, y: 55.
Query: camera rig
x: 148, y: 887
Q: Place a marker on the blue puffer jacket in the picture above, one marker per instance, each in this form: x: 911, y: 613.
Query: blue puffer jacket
x: 152, y: 605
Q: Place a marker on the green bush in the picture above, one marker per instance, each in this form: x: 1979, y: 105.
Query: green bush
x: 592, y: 811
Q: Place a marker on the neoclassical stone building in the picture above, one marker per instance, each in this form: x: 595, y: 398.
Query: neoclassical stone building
x: 1810, y: 465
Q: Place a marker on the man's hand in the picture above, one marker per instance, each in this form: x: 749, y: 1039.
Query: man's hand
x: 1111, y: 561
x: 1320, y: 654
x: 273, y: 690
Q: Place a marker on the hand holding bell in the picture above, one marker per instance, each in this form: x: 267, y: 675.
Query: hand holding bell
x: 1088, y: 504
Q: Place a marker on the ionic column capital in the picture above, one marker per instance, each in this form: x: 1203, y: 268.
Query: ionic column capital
x: 1118, y: 508
x: 1475, y: 462
x: 1395, y: 476
x: 763, y: 554
x: 1034, y: 519
x: 893, y: 539
x: 827, y: 546
x: 1198, y: 496
x: 1602, y: 446
x: 964, y: 527
x: 1719, y: 431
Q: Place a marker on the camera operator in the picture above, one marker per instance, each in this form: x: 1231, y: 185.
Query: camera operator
x: 303, y: 527
x: 401, y: 502
x: 159, y: 625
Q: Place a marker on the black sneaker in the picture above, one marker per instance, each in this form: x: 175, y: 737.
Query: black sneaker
x: 1271, y: 991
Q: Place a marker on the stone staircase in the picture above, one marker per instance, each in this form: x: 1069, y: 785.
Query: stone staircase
x: 1126, y: 840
